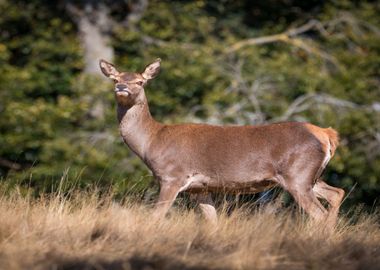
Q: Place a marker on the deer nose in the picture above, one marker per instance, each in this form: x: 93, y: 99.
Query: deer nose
x: 121, y: 87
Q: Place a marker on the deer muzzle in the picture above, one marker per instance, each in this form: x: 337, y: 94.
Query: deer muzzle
x: 122, y: 88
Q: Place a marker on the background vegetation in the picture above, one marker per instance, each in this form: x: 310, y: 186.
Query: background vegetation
x: 230, y: 62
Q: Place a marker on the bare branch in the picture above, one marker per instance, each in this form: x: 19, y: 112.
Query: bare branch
x: 290, y: 37
x: 296, y: 106
x: 256, y: 41
x: 350, y: 20
x: 312, y: 49
x: 249, y: 89
x: 284, y: 37
x: 307, y: 101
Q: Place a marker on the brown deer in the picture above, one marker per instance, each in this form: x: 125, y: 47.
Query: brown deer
x: 201, y: 158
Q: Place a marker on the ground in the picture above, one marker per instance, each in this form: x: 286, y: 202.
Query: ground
x: 88, y: 231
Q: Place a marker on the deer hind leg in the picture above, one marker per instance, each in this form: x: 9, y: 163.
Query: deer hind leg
x: 333, y: 196
x: 207, y: 207
x: 308, y: 201
x: 300, y: 187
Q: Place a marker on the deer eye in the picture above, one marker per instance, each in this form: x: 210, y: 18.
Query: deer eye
x: 140, y: 83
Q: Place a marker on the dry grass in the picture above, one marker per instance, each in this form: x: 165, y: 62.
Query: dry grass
x: 84, y: 232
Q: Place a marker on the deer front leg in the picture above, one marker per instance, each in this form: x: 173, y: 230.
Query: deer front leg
x: 168, y: 193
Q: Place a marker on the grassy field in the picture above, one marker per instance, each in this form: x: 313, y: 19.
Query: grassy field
x: 84, y: 232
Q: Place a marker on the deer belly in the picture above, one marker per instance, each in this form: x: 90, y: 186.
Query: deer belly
x: 201, y: 183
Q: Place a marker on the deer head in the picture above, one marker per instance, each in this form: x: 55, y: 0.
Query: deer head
x: 129, y: 87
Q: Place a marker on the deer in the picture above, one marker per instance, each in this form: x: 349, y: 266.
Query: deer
x: 203, y: 159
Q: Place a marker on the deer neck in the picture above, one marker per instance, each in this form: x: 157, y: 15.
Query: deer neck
x: 137, y: 126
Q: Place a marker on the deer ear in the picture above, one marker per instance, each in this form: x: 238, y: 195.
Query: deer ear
x: 152, y: 70
x: 108, y: 69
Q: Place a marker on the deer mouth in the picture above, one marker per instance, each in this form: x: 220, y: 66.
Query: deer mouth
x: 123, y: 92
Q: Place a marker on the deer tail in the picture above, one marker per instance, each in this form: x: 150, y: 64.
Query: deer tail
x: 333, y: 139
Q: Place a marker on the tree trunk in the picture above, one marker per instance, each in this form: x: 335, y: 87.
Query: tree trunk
x: 94, y: 24
x: 94, y: 30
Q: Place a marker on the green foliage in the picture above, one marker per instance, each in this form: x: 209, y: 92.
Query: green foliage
x: 46, y: 103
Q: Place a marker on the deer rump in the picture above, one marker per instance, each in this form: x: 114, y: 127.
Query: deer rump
x: 240, y: 159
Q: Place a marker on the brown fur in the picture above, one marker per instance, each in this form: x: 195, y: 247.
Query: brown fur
x: 200, y: 158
